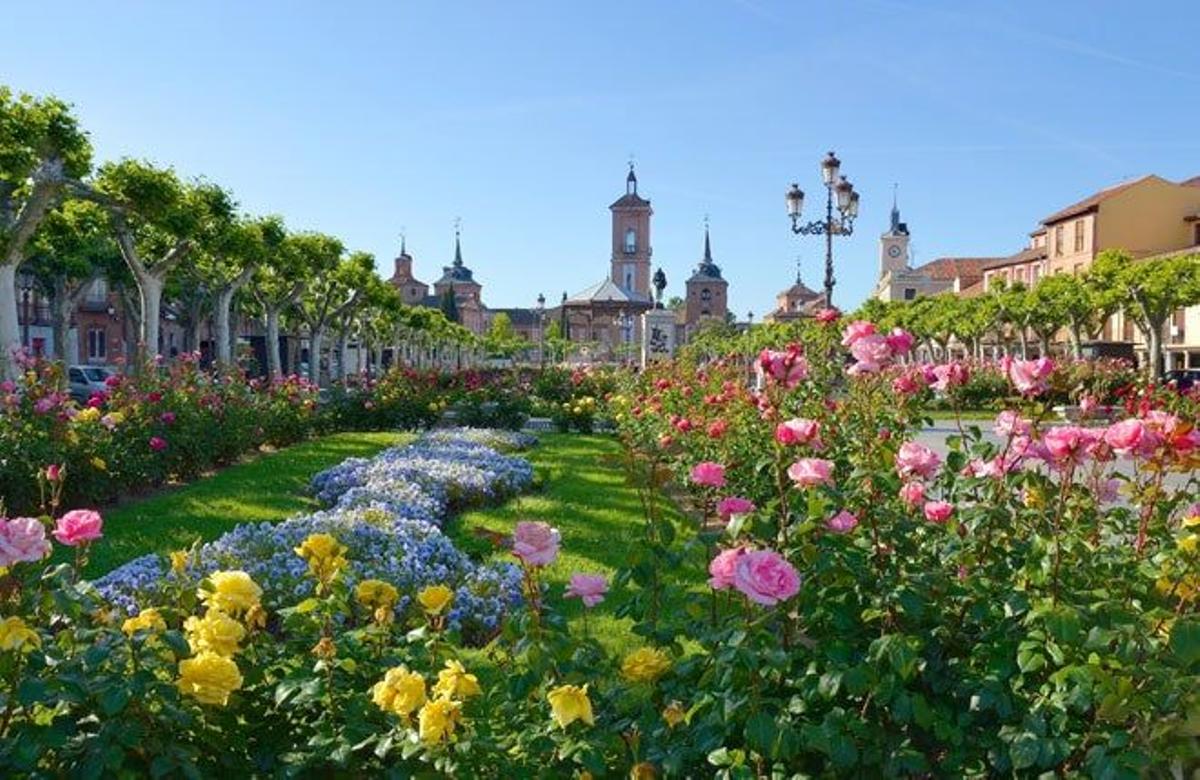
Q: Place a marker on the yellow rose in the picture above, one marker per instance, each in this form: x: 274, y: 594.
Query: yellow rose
x: 437, y: 720
x: 646, y: 664
x: 376, y: 593
x: 569, y: 703
x: 324, y: 555
x: 435, y: 598
x: 455, y: 682
x: 1034, y: 498
x: 88, y: 415
x: 674, y: 714
x: 179, y: 560
x: 643, y: 771
x: 99, y: 465
x: 15, y: 635
x: 215, y: 632
x: 1193, y: 518
x: 1188, y: 543
x: 209, y: 678
x: 400, y: 691
x: 146, y: 620
x: 232, y: 592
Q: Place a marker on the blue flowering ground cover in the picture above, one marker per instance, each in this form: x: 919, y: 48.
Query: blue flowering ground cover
x: 387, y: 511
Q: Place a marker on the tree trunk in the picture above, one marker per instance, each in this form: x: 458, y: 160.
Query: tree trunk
x: 150, y: 289
x: 10, y: 326
x: 1154, y: 349
x: 1076, y: 341
x: 223, y: 345
x: 274, y: 361
x: 315, y: 337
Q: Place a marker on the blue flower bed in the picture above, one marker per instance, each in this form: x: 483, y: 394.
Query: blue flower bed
x: 386, y: 510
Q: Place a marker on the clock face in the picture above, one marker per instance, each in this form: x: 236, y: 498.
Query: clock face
x: 894, y: 251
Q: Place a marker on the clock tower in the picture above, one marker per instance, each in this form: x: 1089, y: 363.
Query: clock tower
x: 631, y: 241
x: 893, y: 245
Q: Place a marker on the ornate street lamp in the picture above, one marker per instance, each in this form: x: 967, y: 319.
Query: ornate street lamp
x: 25, y: 281
x: 838, y: 192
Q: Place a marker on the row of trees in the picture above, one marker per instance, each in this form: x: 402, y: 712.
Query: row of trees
x: 155, y: 235
x: 1063, y: 308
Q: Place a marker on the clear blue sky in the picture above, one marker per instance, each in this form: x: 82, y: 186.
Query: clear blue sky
x: 359, y: 119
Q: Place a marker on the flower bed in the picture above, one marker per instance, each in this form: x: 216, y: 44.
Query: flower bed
x: 386, y: 512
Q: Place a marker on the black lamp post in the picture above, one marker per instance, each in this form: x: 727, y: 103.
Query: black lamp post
x: 541, y: 320
x: 839, y: 190
x: 25, y: 281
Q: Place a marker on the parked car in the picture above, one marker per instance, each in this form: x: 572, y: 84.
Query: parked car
x: 84, y: 381
x: 1183, y: 379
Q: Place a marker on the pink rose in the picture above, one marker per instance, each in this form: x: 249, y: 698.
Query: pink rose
x: 169, y: 417
x: 78, y: 526
x: 717, y: 429
x: 708, y: 474
x: 900, y: 341
x: 807, y: 472
x: 916, y: 460
x: 872, y: 349
x: 1130, y: 437
x: 948, y: 376
x: 1064, y: 443
x: 53, y: 472
x: 799, y: 431
x: 535, y: 543
x: 721, y: 568
x: 734, y: 505
x: 22, y: 539
x: 589, y: 588
x: 1010, y: 423
x: 787, y: 367
x: 1027, y: 376
x: 842, y: 523
x: 912, y: 493
x: 764, y: 577
x: 857, y: 330
x: 157, y: 443
x: 906, y: 384
x: 827, y: 315
x: 938, y: 511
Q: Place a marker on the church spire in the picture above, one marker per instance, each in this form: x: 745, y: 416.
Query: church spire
x: 631, y: 180
x: 895, y: 210
x: 458, y: 261
x: 799, y: 269
x: 707, y: 247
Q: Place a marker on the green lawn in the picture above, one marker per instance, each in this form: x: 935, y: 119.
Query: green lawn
x: 268, y: 488
x: 585, y: 496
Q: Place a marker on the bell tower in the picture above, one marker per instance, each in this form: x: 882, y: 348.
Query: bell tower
x: 631, y: 240
x: 893, y: 245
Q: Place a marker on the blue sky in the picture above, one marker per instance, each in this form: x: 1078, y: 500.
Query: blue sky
x: 363, y: 119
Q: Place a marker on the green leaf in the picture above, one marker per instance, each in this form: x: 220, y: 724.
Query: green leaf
x: 761, y: 732
x: 1185, y: 641
x: 1024, y: 751
x: 306, y: 606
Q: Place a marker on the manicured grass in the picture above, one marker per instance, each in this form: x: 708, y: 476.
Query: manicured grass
x: 268, y: 488
x: 584, y: 495
x: 975, y: 415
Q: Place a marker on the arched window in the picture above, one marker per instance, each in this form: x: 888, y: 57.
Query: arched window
x: 630, y: 241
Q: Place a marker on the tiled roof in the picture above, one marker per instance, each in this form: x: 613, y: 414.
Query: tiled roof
x: 968, y: 269
x: 1092, y: 201
x: 606, y: 291
x: 1024, y: 256
x: 1192, y: 182
x: 629, y: 200
x: 972, y: 291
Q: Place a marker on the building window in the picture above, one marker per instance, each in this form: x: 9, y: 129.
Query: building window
x: 1197, y: 236
x: 1078, y: 269
x: 706, y: 295
x: 1058, y: 241
x: 97, y: 344
x: 1079, y: 235
x: 909, y: 293
x: 628, y: 279
x: 630, y: 241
